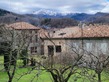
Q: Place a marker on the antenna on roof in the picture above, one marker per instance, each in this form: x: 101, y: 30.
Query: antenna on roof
x: 81, y: 24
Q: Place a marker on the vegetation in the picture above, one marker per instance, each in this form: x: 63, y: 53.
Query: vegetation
x: 58, y: 22
x: 66, y: 67
x: 3, y: 12
x: 43, y: 76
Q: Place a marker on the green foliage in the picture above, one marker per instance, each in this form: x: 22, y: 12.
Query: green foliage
x: 46, y: 21
x: 24, y: 57
x: 3, y: 47
x: 59, y: 22
x: 44, y: 76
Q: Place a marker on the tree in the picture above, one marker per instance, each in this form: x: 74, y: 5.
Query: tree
x: 24, y: 57
x: 15, y: 42
x: 98, y: 63
x: 59, y: 22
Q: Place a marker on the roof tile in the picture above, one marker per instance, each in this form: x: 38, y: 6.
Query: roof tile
x: 76, y: 32
x: 22, y: 26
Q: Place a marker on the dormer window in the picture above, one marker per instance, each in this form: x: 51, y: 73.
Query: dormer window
x: 53, y: 31
x: 62, y: 34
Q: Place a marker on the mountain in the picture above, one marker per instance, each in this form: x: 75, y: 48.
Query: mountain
x: 102, y: 19
x: 10, y: 17
x: 4, y: 12
x: 44, y: 13
x: 96, y: 16
x: 99, y: 14
x: 81, y: 16
x: 58, y: 22
x: 49, y: 18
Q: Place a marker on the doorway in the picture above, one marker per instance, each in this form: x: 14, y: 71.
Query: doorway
x: 50, y: 50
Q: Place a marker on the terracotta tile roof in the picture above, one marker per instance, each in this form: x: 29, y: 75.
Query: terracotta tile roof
x: 66, y: 32
x: 43, y: 33
x: 76, y: 32
x: 96, y: 31
x: 23, y: 25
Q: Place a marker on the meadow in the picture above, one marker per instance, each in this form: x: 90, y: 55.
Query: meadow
x: 28, y: 75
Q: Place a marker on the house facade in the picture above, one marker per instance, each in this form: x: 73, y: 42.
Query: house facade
x: 29, y: 35
x: 92, y: 39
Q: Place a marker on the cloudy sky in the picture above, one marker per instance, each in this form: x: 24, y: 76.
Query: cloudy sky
x: 64, y: 6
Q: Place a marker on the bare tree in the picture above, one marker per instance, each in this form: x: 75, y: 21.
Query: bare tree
x: 61, y: 67
x: 96, y: 61
x: 14, y: 42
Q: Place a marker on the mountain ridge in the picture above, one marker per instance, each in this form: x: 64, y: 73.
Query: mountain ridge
x: 46, y: 19
x: 77, y: 16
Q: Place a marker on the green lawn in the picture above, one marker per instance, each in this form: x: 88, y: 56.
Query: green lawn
x: 42, y: 76
x: 37, y: 76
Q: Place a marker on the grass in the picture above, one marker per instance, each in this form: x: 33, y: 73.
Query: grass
x: 43, y: 76
x: 38, y: 76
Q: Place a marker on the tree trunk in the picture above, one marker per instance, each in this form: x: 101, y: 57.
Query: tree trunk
x: 24, y: 56
x: 56, y: 78
x: 99, y: 77
x: 10, y: 79
x: 6, y: 61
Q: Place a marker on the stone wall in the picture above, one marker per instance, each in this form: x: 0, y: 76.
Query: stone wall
x: 94, y: 46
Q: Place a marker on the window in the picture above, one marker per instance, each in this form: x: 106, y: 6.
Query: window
x: 50, y: 50
x: 36, y: 31
x: 33, y: 49
x: 30, y: 31
x: 88, y: 47
x: 58, y: 48
x: 36, y: 38
x: 31, y: 39
x: 103, y: 48
x: 53, y: 31
x: 0, y: 33
x: 75, y: 45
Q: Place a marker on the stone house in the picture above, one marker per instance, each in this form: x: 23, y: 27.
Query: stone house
x: 92, y: 38
x: 31, y: 33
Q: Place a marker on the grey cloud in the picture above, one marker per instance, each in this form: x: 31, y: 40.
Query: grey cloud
x: 28, y: 6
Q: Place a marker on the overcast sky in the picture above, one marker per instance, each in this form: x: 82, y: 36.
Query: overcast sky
x: 64, y: 6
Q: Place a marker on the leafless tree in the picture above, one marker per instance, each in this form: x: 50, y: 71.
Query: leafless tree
x: 98, y: 62
x: 14, y: 42
x: 61, y: 67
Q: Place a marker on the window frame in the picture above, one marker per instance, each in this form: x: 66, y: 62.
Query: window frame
x: 58, y: 48
x: 33, y: 49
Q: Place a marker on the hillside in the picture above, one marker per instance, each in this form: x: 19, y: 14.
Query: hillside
x: 49, y: 18
x: 9, y: 17
x: 4, y: 12
x: 58, y: 22
x: 102, y: 19
x: 75, y: 16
